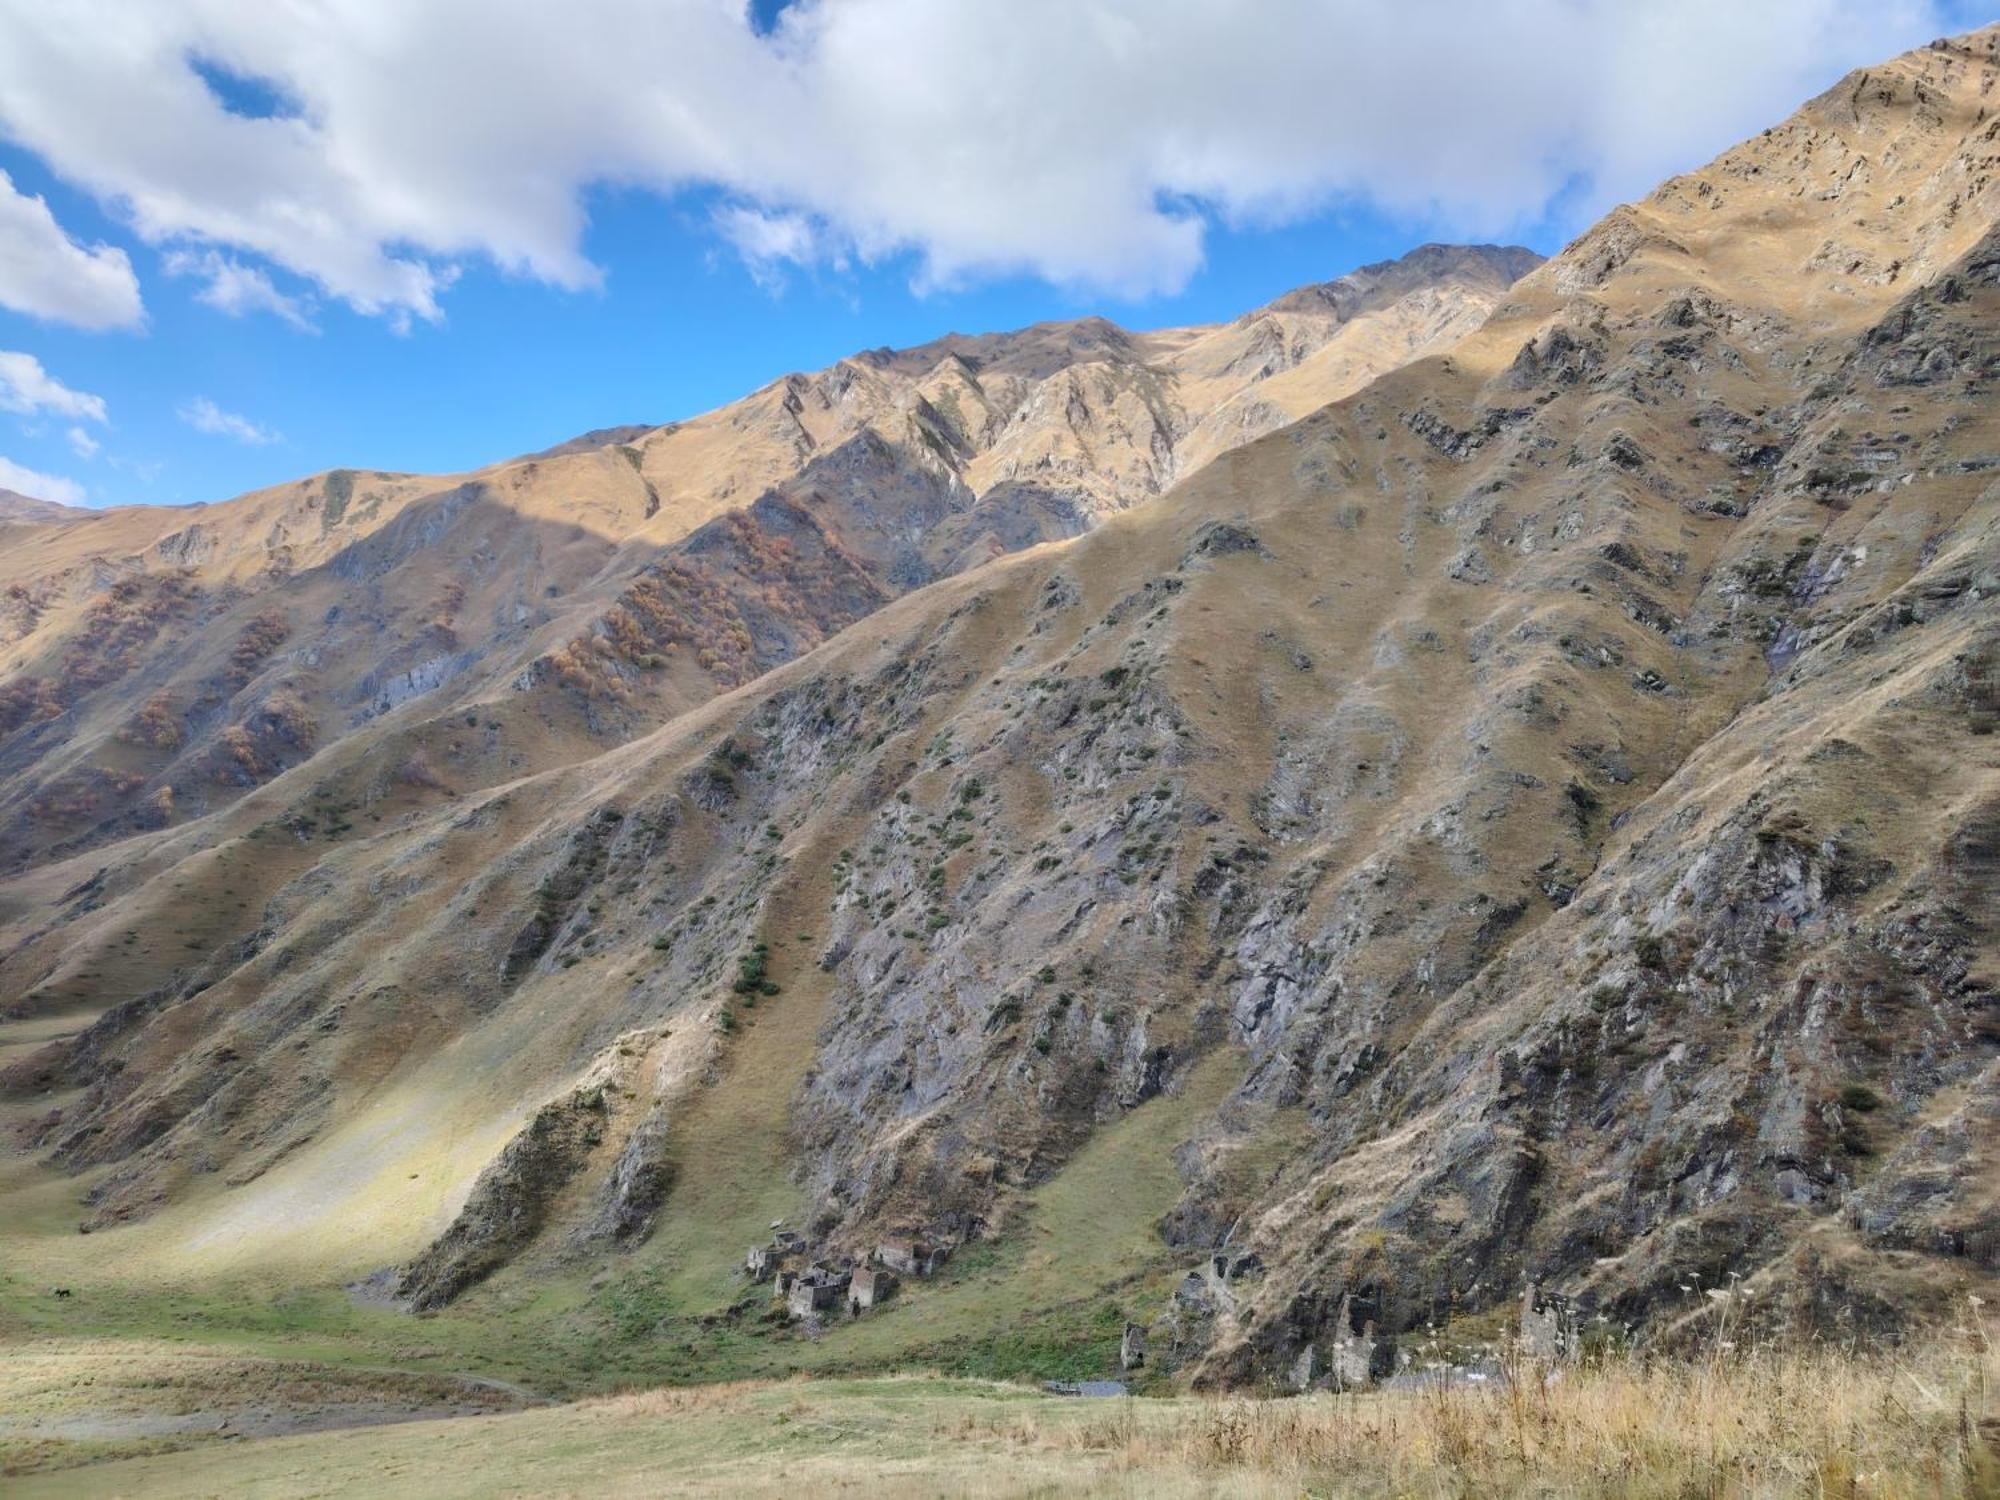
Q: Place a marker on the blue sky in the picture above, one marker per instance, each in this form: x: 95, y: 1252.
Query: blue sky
x: 640, y: 304
x: 677, y: 329
x: 679, y: 326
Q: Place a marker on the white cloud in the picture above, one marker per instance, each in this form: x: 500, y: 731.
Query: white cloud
x: 237, y: 289
x: 1084, y: 141
x: 25, y: 481
x: 82, y: 443
x: 29, y: 390
x: 770, y: 242
x: 203, y: 415
x: 46, y: 274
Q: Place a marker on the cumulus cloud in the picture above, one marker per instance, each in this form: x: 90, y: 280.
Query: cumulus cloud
x: 770, y: 242
x: 25, y: 481
x: 30, y: 391
x: 1089, y: 142
x: 237, y: 289
x: 203, y: 415
x: 46, y: 274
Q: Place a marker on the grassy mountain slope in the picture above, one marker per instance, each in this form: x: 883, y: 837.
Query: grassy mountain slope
x: 155, y: 663
x: 1534, y: 817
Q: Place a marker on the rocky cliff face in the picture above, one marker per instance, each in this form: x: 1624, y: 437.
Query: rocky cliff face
x: 1556, y: 783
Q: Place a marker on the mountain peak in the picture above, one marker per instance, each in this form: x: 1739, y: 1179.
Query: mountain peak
x: 1495, y: 267
x: 14, y: 506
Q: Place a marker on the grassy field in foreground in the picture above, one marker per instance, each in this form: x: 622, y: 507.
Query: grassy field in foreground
x: 1765, y: 1424
x: 97, y: 1387
x: 1046, y: 1301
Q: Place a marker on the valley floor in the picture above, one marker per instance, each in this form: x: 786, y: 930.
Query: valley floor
x: 1757, y: 1425
x: 161, y: 1373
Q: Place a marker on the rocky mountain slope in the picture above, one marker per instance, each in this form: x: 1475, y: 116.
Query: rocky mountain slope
x: 155, y: 662
x: 1544, y: 807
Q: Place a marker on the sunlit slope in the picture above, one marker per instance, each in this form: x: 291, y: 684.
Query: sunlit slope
x: 156, y: 662
x: 1555, y: 782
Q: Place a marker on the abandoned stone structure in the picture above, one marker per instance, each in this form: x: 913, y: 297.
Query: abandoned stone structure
x: 1350, y: 1362
x: 1548, y: 1326
x: 1355, y: 1354
x: 911, y: 1257
x: 810, y: 1288
x: 1092, y: 1388
x: 815, y: 1290
x: 762, y: 1262
x: 869, y: 1285
x: 1305, y: 1369
x: 1132, y: 1347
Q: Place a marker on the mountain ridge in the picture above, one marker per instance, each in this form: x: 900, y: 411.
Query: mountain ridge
x: 615, y: 582
x: 1541, y: 804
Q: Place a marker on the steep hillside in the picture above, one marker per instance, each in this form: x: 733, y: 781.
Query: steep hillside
x: 466, y: 629
x: 1537, y: 817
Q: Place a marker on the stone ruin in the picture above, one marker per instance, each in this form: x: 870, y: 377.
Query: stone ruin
x: 814, y: 1290
x: 867, y: 1286
x: 762, y: 1262
x: 1207, y: 1286
x: 1549, y: 1326
x: 809, y: 1289
x: 912, y: 1257
x: 1305, y: 1369
x: 1132, y: 1347
x: 1353, y: 1359
x: 1358, y: 1355
x: 1350, y: 1359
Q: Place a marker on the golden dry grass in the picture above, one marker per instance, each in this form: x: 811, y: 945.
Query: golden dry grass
x: 1755, y: 1424
x: 1767, y: 1422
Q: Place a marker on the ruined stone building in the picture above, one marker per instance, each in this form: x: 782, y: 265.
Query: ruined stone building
x: 1548, y: 1326
x: 1132, y: 1347
x: 912, y: 1257
x: 868, y: 1286
x: 817, y: 1289
x: 762, y: 1262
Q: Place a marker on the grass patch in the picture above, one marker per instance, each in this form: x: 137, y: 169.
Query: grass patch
x: 1765, y: 1423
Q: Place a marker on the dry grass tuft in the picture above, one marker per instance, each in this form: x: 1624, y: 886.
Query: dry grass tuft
x: 1759, y: 1422
x: 681, y: 1400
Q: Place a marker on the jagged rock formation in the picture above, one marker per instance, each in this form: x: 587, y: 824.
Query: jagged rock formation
x: 1558, y: 783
